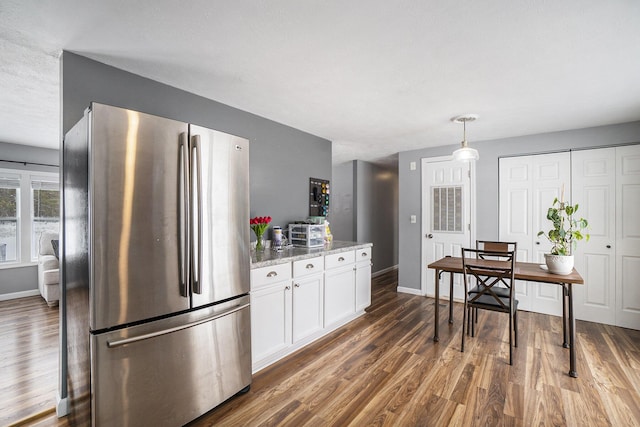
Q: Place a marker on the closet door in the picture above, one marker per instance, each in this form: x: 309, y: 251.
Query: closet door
x: 528, y: 185
x: 594, y: 190
x: 628, y: 236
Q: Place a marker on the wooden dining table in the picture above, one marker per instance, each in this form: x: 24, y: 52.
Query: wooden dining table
x: 528, y: 271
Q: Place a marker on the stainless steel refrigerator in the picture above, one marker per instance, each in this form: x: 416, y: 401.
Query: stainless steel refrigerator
x: 155, y: 266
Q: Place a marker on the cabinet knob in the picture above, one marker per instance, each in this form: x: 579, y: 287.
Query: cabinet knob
x: 286, y: 288
x: 309, y: 266
x: 537, y: 243
x: 429, y: 236
x: 297, y: 285
x: 608, y: 246
x: 272, y: 274
x: 340, y: 259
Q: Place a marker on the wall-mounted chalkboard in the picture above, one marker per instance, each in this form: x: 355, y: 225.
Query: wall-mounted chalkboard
x: 318, y: 197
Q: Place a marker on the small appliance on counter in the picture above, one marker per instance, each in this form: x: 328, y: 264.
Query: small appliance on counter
x: 307, y: 235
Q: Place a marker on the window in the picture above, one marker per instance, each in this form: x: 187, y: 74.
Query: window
x: 45, y: 212
x: 29, y: 205
x: 447, y: 209
x: 9, y: 219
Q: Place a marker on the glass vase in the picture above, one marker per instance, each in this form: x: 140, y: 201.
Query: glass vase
x: 259, y: 243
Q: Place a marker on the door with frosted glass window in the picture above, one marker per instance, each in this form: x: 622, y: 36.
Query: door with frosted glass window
x: 446, y: 207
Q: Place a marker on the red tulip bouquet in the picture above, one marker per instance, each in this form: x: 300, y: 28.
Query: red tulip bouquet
x: 259, y: 225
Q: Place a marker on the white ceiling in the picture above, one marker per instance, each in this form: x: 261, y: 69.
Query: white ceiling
x: 374, y: 76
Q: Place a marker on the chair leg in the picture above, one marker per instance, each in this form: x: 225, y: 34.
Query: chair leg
x: 510, y: 339
x: 515, y: 327
x: 474, y: 313
x: 464, y: 321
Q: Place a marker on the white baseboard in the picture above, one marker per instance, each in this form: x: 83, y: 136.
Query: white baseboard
x: 16, y: 295
x: 386, y: 270
x: 62, y: 406
x: 411, y: 291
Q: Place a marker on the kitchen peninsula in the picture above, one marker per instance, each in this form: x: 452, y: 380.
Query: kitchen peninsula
x: 301, y: 294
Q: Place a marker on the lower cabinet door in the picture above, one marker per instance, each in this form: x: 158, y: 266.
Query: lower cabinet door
x: 270, y: 320
x: 307, y: 306
x: 339, y: 294
x: 363, y: 285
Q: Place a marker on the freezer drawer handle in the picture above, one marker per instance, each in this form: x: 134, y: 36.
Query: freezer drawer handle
x: 118, y: 343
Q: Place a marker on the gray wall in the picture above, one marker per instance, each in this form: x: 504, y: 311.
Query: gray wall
x: 24, y: 278
x: 486, y: 182
x: 278, y: 191
x: 365, y: 208
x: 341, y: 217
x: 282, y: 159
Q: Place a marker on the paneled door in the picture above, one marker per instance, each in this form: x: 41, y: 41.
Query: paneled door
x: 528, y: 186
x: 594, y: 190
x: 446, y: 222
x: 628, y: 236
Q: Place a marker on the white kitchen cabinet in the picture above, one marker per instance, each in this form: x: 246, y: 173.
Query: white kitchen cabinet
x: 308, y: 303
x: 339, y: 287
x: 363, y: 279
x: 270, y: 320
x: 307, y: 306
x: 294, y: 303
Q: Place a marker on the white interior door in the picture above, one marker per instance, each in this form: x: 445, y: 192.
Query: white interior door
x: 628, y: 236
x: 528, y: 185
x: 594, y: 190
x: 446, y: 221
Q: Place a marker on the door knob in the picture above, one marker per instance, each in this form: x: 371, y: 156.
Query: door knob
x: 429, y: 236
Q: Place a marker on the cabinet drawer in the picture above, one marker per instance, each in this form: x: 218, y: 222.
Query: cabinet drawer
x: 363, y: 254
x: 340, y: 259
x: 305, y: 267
x: 272, y: 274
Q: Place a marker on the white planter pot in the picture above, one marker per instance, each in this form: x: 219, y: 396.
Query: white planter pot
x: 559, y: 264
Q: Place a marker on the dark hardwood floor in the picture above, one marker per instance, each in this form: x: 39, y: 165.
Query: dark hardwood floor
x: 384, y: 369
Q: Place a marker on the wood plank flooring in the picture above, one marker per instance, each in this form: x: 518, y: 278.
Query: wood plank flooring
x: 28, y: 358
x: 384, y: 369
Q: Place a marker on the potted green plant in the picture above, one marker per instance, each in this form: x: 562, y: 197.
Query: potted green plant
x: 564, y: 236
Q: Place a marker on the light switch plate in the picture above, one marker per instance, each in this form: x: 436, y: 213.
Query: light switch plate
x: 412, y: 166
x: 413, y: 219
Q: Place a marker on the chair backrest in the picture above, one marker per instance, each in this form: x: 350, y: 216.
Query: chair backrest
x: 493, y: 246
x: 491, y: 269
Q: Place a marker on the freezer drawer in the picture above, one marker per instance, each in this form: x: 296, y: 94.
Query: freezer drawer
x: 170, y: 372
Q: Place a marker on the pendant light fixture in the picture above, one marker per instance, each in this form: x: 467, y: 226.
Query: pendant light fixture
x: 465, y: 153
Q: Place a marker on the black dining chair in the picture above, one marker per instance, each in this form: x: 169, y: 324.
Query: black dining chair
x: 492, y: 246
x: 490, y: 285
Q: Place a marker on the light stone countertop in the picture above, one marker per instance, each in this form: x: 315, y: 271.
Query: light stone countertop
x: 271, y: 257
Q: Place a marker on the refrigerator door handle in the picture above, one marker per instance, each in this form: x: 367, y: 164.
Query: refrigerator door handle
x: 184, y: 214
x: 130, y: 340
x: 197, y: 206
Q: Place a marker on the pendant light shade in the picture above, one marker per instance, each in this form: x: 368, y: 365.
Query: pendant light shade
x: 465, y: 153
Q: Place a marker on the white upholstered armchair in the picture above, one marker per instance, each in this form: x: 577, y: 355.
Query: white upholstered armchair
x: 48, y: 269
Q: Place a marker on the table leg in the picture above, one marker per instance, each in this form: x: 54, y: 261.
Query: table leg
x: 572, y: 336
x: 450, y: 297
x: 565, y: 297
x: 437, y: 307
